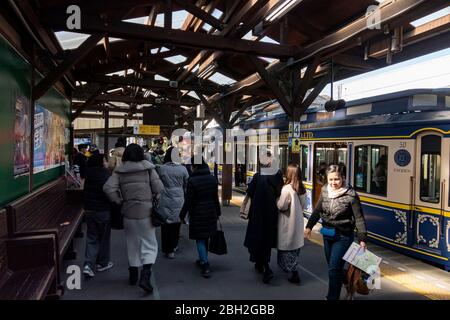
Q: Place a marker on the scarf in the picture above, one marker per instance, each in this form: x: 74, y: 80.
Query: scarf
x: 332, y: 194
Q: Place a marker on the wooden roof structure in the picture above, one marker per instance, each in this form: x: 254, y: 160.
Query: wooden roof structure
x: 123, y: 65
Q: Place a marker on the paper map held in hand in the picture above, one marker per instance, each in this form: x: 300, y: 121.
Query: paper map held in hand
x: 362, y: 259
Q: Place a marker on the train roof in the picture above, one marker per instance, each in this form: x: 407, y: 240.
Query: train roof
x: 403, y: 102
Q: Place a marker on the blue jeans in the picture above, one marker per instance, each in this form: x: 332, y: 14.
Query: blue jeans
x: 335, y: 248
x: 202, y: 249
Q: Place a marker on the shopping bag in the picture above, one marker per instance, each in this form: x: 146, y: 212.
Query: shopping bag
x: 217, y: 242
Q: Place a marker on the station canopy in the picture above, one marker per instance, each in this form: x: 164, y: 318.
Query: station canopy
x: 228, y: 55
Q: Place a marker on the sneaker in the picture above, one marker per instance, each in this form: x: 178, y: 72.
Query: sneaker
x: 170, y: 255
x: 175, y: 249
x: 101, y: 268
x: 87, y: 271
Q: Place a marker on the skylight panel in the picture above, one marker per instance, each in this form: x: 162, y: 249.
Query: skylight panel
x: 217, y: 13
x: 249, y: 36
x: 207, y: 27
x: 221, y: 79
x: 158, y: 77
x: 178, y: 18
x: 269, y: 40
x: 176, y: 59
x: 70, y: 40
x: 193, y: 95
x: 159, y: 22
x: 141, y: 20
x: 164, y: 49
x: 154, y: 50
x: 436, y: 15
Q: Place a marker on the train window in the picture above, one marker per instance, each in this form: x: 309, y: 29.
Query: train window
x: 371, y: 169
x: 430, y: 169
x: 304, y: 162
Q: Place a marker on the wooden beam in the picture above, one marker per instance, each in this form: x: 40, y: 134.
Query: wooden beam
x: 41, y: 88
x: 241, y: 111
x: 127, y: 30
x: 201, y: 14
x: 298, y: 111
x: 149, y: 100
x: 167, y: 14
x: 88, y: 102
x: 305, y: 82
x: 272, y: 85
x: 151, y: 84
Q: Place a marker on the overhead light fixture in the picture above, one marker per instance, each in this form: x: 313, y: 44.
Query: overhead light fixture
x: 281, y: 9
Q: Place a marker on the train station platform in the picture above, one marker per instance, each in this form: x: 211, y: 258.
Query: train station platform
x: 234, y: 278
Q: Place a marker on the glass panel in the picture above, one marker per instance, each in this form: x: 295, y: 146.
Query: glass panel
x: 361, y: 166
x: 430, y: 178
x: 430, y: 169
x: 304, y: 162
x: 252, y: 158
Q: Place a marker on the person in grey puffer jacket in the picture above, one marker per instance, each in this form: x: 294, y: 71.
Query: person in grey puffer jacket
x: 174, y: 177
x: 339, y: 208
x: 134, y: 184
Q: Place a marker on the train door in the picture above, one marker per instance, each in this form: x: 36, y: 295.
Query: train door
x: 326, y: 154
x: 430, y: 188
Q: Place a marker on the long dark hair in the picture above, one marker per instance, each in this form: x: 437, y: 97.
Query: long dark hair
x: 294, y: 177
x: 133, y: 152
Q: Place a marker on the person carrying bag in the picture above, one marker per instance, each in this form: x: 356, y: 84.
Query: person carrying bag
x: 217, y: 242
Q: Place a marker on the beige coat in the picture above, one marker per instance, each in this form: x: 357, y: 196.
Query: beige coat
x: 116, y: 158
x: 290, y: 219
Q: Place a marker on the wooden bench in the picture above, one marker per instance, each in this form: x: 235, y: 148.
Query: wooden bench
x: 49, y: 210
x: 28, y: 267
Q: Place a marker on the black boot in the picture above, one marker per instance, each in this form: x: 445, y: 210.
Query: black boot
x: 259, y: 267
x: 206, y: 273
x: 295, y: 278
x: 134, y: 274
x: 144, y: 282
x: 268, y: 274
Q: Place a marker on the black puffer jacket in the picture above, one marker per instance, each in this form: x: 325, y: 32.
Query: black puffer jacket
x: 342, y: 213
x: 202, y: 203
x: 94, y: 197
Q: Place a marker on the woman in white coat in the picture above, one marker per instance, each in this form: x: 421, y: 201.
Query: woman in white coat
x: 291, y: 204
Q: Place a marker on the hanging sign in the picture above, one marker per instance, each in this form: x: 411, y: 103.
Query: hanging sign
x: 295, y: 146
x: 148, y: 130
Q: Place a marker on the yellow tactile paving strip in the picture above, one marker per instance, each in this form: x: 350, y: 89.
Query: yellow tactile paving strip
x: 426, y: 288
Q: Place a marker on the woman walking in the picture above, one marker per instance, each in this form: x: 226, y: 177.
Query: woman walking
x: 291, y: 204
x: 174, y: 177
x: 97, y: 208
x: 261, y: 235
x: 340, y: 210
x: 202, y: 203
x: 134, y: 184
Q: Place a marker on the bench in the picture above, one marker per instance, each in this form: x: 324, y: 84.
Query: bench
x: 49, y: 210
x: 27, y: 265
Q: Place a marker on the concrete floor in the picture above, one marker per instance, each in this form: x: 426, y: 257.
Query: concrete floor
x: 233, y: 276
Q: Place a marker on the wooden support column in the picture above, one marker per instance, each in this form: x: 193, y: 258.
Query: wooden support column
x: 227, y: 168
x: 106, y: 134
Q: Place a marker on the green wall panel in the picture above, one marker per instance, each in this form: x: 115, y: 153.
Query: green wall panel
x: 15, y: 79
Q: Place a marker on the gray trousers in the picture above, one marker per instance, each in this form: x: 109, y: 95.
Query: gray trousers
x: 98, y: 238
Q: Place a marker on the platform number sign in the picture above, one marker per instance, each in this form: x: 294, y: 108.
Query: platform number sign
x: 296, y: 130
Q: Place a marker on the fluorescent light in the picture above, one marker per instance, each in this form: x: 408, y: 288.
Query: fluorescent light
x: 282, y: 8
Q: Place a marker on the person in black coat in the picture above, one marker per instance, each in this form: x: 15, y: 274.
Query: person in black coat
x: 80, y: 160
x: 97, y: 208
x: 202, y: 203
x: 261, y: 235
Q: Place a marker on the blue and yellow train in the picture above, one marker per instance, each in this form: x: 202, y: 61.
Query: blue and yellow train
x: 395, y: 150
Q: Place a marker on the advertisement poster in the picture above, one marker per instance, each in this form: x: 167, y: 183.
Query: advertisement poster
x: 49, y: 139
x: 22, y: 132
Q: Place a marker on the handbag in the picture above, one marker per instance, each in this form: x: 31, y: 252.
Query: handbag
x: 217, y: 242
x: 245, y: 207
x: 157, y: 218
x: 116, y: 217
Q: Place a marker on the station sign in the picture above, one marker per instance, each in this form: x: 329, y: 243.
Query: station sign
x: 147, y: 130
x: 294, y: 129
